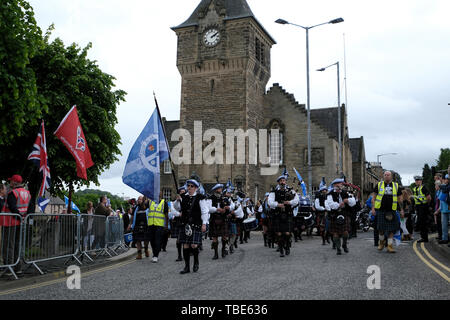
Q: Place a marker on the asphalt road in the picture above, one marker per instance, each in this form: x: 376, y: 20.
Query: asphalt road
x: 312, y: 271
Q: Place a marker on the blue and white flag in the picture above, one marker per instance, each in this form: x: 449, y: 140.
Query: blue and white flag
x: 285, y: 173
x: 142, y: 171
x: 323, y: 184
x: 42, y: 203
x: 74, y: 206
x: 302, y: 183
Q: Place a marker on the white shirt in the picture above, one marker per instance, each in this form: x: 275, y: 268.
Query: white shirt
x: 238, y: 211
x: 172, y: 212
x: 318, y: 207
x: 331, y: 204
x: 273, y: 204
x: 203, y: 206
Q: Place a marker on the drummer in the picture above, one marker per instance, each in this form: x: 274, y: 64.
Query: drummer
x: 233, y: 225
x: 249, y: 213
x: 282, y: 199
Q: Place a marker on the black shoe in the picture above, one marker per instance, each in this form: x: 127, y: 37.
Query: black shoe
x: 216, y: 256
x: 288, y: 251
x: 422, y: 240
x: 323, y: 243
x: 345, y: 249
x: 328, y: 241
x: 334, y: 246
x: 180, y: 258
x: 185, y: 270
x: 339, y: 252
x: 231, y: 250
x: 195, y: 267
x: 281, y: 253
x: 241, y: 242
x: 443, y: 242
x: 278, y: 249
x: 235, y: 245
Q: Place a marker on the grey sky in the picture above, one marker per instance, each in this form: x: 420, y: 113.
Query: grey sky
x: 398, y: 66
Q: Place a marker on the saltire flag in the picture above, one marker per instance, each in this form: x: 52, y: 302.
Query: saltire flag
x: 39, y: 157
x: 229, y: 186
x: 71, y: 135
x: 74, y: 206
x: 302, y: 183
x: 42, y: 203
x: 202, y: 190
x: 142, y: 171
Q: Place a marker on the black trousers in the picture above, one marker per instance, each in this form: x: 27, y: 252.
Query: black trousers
x: 156, y: 234
x: 422, y: 220
x: 376, y: 236
x: 10, y: 244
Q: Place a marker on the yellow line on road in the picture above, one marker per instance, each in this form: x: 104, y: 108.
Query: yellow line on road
x: 49, y: 283
x: 434, y: 259
x: 439, y: 272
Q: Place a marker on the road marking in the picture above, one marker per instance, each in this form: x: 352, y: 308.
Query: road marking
x: 433, y: 259
x: 439, y: 272
x: 49, y: 283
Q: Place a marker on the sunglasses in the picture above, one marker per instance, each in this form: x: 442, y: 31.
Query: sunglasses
x: 191, y: 186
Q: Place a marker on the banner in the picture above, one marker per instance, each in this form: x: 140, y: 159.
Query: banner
x: 40, y: 159
x: 71, y: 135
x: 142, y: 171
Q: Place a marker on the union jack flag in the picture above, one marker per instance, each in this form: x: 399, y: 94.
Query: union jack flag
x: 39, y: 157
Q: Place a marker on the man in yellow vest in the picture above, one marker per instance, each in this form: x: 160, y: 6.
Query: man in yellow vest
x: 385, y: 203
x: 157, y: 222
x: 422, y: 199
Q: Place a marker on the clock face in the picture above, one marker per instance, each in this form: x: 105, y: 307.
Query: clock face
x: 211, y: 37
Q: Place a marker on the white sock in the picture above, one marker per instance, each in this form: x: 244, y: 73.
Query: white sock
x: 390, y: 241
x: 382, y: 238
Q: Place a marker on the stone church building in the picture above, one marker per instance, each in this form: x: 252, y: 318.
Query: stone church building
x: 224, y: 58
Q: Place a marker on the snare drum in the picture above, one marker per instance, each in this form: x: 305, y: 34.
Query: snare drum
x: 250, y: 224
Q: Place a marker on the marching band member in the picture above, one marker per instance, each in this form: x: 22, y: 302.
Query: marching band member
x: 219, y: 208
x: 194, y: 215
x: 322, y: 209
x: 339, y: 215
x: 236, y: 215
x: 175, y: 223
x: 282, y: 199
x: 265, y: 219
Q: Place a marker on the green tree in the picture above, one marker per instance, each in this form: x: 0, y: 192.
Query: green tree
x: 20, y: 40
x: 443, y: 163
x: 66, y: 77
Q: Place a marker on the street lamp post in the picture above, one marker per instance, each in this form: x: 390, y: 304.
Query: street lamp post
x: 281, y: 21
x: 341, y: 156
x: 384, y: 154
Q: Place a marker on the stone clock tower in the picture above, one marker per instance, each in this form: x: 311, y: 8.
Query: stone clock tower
x: 224, y: 61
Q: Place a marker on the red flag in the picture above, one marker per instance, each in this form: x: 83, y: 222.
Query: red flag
x: 71, y: 135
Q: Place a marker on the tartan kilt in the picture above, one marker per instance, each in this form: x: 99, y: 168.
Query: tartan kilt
x: 283, y: 223
x: 174, y: 229
x: 233, y: 228
x: 195, y: 238
x: 218, y: 228
x: 321, y: 221
x: 334, y: 227
x: 387, y: 226
x: 141, y: 235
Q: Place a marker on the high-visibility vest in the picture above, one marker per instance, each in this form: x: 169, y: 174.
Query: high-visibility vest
x: 156, y: 215
x: 23, y: 197
x: 419, y: 196
x: 381, y: 191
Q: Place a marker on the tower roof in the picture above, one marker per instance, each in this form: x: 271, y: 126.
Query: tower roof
x: 232, y: 9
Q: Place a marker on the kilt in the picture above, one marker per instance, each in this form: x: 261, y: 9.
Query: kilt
x: 174, y: 229
x: 321, y: 221
x: 218, y: 227
x: 141, y: 235
x: 195, y: 238
x: 282, y: 223
x: 387, y: 226
x: 233, y: 228
x: 265, y: 221
x: 339, y: 229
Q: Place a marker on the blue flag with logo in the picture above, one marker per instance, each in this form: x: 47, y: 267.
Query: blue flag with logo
x: 74, y: 206
x: 142, y: 171
x: 300, y: 179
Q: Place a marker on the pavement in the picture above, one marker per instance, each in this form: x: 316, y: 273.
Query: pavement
x: 311, y: 272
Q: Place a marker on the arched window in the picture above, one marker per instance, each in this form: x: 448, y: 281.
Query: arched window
x: 276, y: 143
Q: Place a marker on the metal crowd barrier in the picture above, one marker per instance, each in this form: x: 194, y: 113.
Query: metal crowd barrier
x: 50, y: 236
x: 92, y: 235
x: 40, y: 238
x: 114, y: 235
x: 10, y: 242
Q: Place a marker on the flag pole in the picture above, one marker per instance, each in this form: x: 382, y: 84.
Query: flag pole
x: 167, y: 143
